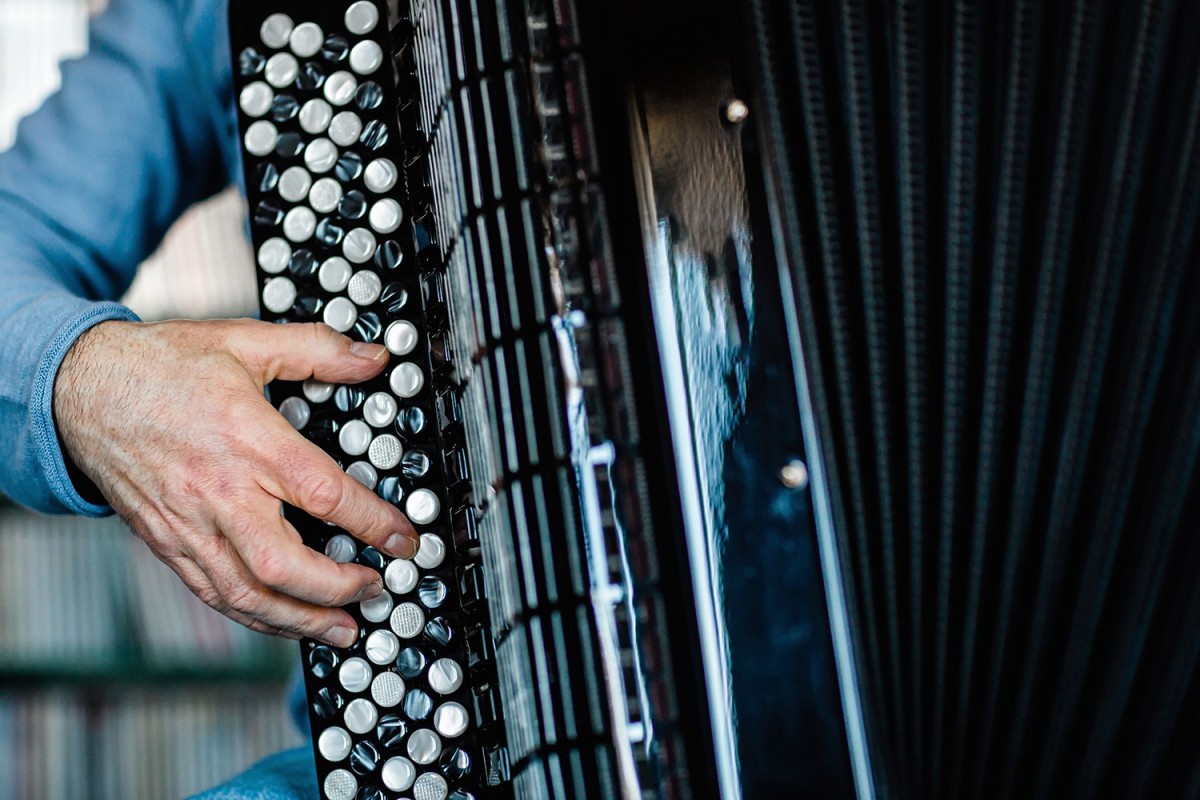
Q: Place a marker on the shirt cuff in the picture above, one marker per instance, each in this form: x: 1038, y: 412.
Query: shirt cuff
x: 45, y: 433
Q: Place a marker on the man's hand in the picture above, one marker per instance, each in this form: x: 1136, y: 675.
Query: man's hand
x: 170, y: 422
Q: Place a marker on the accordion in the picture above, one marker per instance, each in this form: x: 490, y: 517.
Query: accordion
x: 793, y: 398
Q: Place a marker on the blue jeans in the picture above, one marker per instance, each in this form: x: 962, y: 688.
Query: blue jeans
x: 290, y: 775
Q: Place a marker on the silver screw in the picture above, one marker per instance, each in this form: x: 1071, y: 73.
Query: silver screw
x: 794, y: 474
x: 736, y: 111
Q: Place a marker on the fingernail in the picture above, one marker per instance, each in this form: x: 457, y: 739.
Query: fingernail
x: 373, y: 352
x: 400, y: 546
x: 340, y: 636
x: 370, y: 591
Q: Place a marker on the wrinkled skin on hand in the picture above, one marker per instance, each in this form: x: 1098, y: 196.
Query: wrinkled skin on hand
x: 170, y: 422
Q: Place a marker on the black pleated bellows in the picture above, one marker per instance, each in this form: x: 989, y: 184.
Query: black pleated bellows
x: 988, y: 212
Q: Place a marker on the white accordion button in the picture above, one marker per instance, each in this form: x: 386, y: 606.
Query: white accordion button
x: 334, y: 744
x: 365, y: 474
x: 261, y: 138
x: 317, y: 391
x: 407, y: 620
x: 306, y: 39
x: 366, y: 57
x: 398, y: 773
x: 450, y: 720
x: 345, y: 128
x: 315, y: 116
x: 294, y: 184
x: 381, y: 175
x: 430, y: 786
x: 359, y: 246
x: 320, y: 155
x: 325, y: 195
x: 380, y: 410
x: 341, y: 549
x: 432, y: 550
x: 339, y: 87
x: 274, y: 255
x: 401, y: 576
x: 377, y: 609
x: 282, y: 69
x: 386, y: 216
x: 383, y: 646
x: 335, y: 274
x: 256, y: 99
x: 361, y: 715
x: 407, y: 380
x: 354, y: 437
x: 401, y: 337
x: 276, y: 30
x: 355, y: 675
x: 445, y: 676
x: 361, y: 19
x: 299, y: 224
x: 424, y: 746
x: 388, y: 688
x: 278, y: 295
x: 296, y: 412
x: 385, y: 451
x: 340, y: 314
x: 422, y: 508
x: 364, y: 287
x: 340, y: 785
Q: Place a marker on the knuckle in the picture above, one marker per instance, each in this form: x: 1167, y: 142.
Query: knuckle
x: 246, y: 599
x: 321, y: 494
x: 271, y: 567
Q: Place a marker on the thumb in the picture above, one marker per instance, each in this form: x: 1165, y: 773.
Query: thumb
x: 298, y: 351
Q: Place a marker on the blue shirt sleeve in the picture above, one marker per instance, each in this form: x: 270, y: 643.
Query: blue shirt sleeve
x: 137, y: 133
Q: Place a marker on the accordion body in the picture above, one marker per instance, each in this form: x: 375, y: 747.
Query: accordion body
x: 794, y: 398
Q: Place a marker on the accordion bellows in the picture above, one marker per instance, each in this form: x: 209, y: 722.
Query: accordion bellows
x: 988, y: 213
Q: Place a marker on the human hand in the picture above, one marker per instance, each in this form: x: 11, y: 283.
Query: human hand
x: 170, y: 422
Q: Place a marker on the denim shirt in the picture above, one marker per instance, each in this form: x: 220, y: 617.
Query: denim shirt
x: 143, y: 127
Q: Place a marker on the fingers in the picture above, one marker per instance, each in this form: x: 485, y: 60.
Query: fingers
x: 298, y: 351
x: 307, y: 478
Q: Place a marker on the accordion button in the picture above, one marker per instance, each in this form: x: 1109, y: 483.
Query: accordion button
x: 381, y: 175
x: 276, y: 30
x: 345, y: 128
x: 327, y: 704
x: 329, y: 233
x: 365, y: 474
x: 369, y: 96
x: 363, y: 759
x: 370, y: 557
x: 432, y: 550
x: 289, y: 145
x: 354, y: 437
x: 450, y: 720
x: 401, y: 577
x: 439, y: 631
x: 418, y: 706
x: 284, y: 108
x: 378, y: 609
x: 361, y: 18
x: 306, y: 39
x: 341, y: 549
x: 296, y: 412
x: 407, y: 620
x: 335, y: 48
x: 303, y: 264
x: 274, y: 255
x: 366, y: 58
x: 380, y: 410
x: 315, y: 116
x: 410, y: 422
x: 368, y: 327
x: 361, y: 715
x: 282, y: 69
x: 325, y: 195
x: 415, y: 464
x: 355, y: 675
x: 266, y: 177
x: 364, y: 287
x: 390, y: 731
x: 423, y: 507
x: 389, y: 256
x: 311, y: 77
x: 393, y: 296
x: 388, y: 688
x: 349, y: 167
x: 407, y: 380
x: 348, y: 398
x: 294, y: 184
x: 410, y: 662
x: 398, y: 774
x: 445, y: 676
x: 255, y: 100
x: 430, y: 786
x: 401, y: 337
x: 340, y: 314
x: 359, y: 246
x: 375, y: 135
x: 382, y: 646
x: 339, y: 88
x: 299, y: 224
x: 340, y: 785
x: 353, y: 205
x: 261, y: 138
x: 333, y: 744
x: 386, y: 216
x: 335, y: 273
x: 278, y: 295
x: 250, y: 62
x: 320, y: 155
x: 424, y: 746
x: 455, y: 764
x: 432, y: 592
x: 322, y: 661
x: 390, y: 490
x: 317, y: 391
x: 385, y: 451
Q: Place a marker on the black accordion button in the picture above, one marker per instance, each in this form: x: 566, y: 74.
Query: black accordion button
x: 303, y: 264
x: 284, y: 108
x: 251, y: 62
x: 390, y: 732
x: 369, y: 96
x: 327, y: 704
x: 389, y: 256
x: 311, y: 77
x: 268, y: 215
x: 323, y: 661
x: 335, y: 49
x: 266, y: 177
x: 410, y: 662
x: 455, y: 764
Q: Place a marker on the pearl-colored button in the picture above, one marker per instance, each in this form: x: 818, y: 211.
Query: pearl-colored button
x: 398, y: 773
x: 342, y: 785
x: 354, y: 437
x: 386, y: 216
x: 296, y: 412
x: 335, y: 274
x: 345, y: 128
x: 341, y: 549
x: 361, y: 715
x: 364, y: 287
x: 407, y: 380
x: 340, y: 315
x: 320, y: 155
x: 401, y: 337
x: 424, y: 746
x: 306, y: 39
x: 355, y: 675
x: 334, y: 744
x: 315, y: 116
x: 299, y: 224
x: 340, y: 87
x: 282, y: 69
x: 256, y: 99
x: 261, y: 138
x: 276, y: 30
x: 377, y: 609
x: 317, y: 391
x: 381, y: 175
x: 450, y: 720
x: 361, y: 19
x: 388, y: 688
x: 294, y: 184
x: 401, y: 576
x: 432, y: 550
x: 274, y: 255
x: 445, y: 676
x: 380, y: 409
x: 366, y: 57
x: 359, y: 246
x: 325, y: 195
x: 365, y: 474
x: 407, y: 620
x: 278, y: 295
x: 382, y: 646
x: 385, y: 451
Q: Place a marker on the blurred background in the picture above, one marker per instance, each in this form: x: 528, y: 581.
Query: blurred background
x: 114, y: 681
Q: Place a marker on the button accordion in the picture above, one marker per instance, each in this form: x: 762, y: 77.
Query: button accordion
x: 794, y: 398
